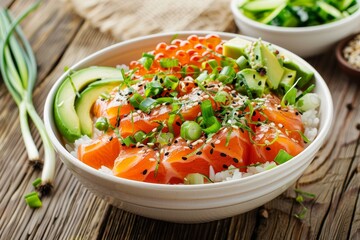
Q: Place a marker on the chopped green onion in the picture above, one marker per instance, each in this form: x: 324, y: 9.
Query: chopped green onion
x: 33, y: 200
x: 227, y: 75
x: 102, y: 124
x: 169, y: 62
x: 309, y: 89
x: 37, y: 182
x: 282, y: 157
x: 194, y: 178
x: 213, y: 125
x: 242, y: 81
x: 147, y: 60
x: 139, y: 136
x: 242, y: 62
x: 212, y: 63
x: 164, y: 100
x: 105, y: 96
x: 171, y: 82
x: 153, y: 88
x: 190, y: 130
x: 135, y: 100
x: 221, y: 97
x: 290, y: 95
x: 203, y: 76
x: 184, y: 71
x: 147, y: 104
x: 128, y: 141
x: 206, y: 109
x: 165, y: 138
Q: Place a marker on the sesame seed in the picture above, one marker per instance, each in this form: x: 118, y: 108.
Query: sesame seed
x: 268, y: 148
x: 235, y: 160
x: 223, y: 154
x: 184, y: 158
x: 150, y: 144
x: 144, y: 172
x: 217, y: 141
x: 167, y: 153
x: 152, y: 159
x: 211, y: 151
x: 225, y: 166
x: 199, y: 153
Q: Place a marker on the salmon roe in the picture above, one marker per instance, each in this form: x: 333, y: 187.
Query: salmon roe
x: 193, y: 51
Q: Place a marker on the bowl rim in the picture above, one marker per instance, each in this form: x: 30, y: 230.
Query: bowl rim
x: 314, y: 146
x: 348, y: 68
x: 309, y: 29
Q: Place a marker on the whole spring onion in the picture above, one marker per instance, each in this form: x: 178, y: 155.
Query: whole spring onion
x: 19, y: 70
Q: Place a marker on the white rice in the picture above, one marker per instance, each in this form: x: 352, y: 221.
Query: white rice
x: 311, y: 122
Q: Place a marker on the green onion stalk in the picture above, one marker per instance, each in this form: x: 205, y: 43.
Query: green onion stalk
x: 19, y: 72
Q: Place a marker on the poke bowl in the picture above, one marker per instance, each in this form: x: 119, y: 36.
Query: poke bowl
x: 146, y: 193
x: 305, y: 41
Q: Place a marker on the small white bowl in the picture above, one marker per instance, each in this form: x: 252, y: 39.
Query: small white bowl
x: 303, y: 41
x: 185, y: 203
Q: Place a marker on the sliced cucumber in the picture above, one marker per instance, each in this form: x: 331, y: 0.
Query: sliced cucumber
x: 262, y: 5
x: 273, y: 14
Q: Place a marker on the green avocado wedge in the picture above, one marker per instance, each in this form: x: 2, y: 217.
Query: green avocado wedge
x: 66, y: 118
x: 87, y: 99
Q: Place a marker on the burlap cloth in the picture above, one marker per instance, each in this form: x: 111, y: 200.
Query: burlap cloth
x: 126, y: 19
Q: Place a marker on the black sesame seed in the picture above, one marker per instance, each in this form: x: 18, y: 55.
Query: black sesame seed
x: 268, y: 148
x: 254, y: 113
x: 133, y: 146
x: 144, y: 172
x: 111, y: 138
x: 278, y: 108
x: 187, y: 84
x: 259, y: 83
x: 211, y: 151
x: 212, y: 144
x: 198, y: 93
x: 190, y: 146
x: 233, y: 94
x: 253, y: 76
x: 223, y: 154
x: 167, y: 153
x: 241, y: 84
x: 256, y: 57
x: 296, y: 113
x: 290, y: 76
x: 196, y: 85
x: 199, y: 153
x: 235, y: 160
x: 176, y: 141
x: 123, y: 144
x: 161, y: 81
x: 242, y: 130
x: 225, y: 166
x: 184, y: 158
x: 179, y: 124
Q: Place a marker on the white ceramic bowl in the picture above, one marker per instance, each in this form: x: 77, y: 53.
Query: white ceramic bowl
x: 185, y: 203
x: 303, y: 41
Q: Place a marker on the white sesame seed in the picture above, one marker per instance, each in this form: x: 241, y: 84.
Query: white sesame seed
x: 150, y: 144
x: 152, y: 159
x: 217, y: 141
x: 267, y: 142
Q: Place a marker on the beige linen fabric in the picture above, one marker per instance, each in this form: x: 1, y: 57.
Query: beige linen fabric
x: 126, y: 19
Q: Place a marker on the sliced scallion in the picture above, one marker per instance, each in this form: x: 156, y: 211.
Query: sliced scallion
x: 102, y: 124
x: 139, y: 136
x: 135, y: 100
x: 147, y: 104
x: 169, y: 62
x: 153, y: 88
x: 282, y: 157
x: 190, y: 130
x: 171, y: 82
x: 33, y: 200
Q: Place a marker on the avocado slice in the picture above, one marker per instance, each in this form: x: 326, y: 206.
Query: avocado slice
x: 251, y: 79
x: 274, y: 70
x: 288, y: 79
x: 235, y: 47
x: 301, y: 72
x: 87, y: 99
x: 66, y: 119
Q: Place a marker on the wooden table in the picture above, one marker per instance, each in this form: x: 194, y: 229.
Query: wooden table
x: 60, y: 38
